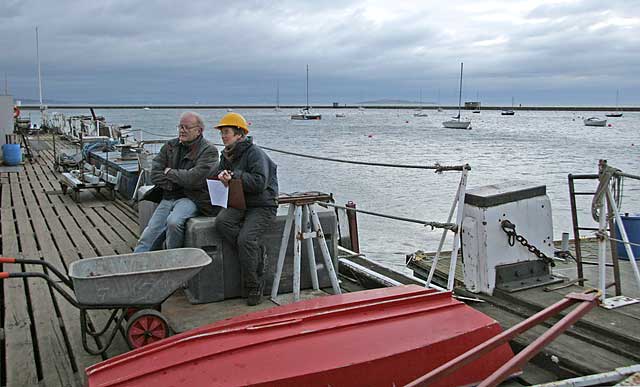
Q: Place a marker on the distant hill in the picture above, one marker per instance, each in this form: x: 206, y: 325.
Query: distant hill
x: 393, y: 102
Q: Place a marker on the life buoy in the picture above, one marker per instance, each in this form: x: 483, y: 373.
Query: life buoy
x: 16, y: 112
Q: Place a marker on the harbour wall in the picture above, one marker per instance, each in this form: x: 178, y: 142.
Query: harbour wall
x: 391, y: 107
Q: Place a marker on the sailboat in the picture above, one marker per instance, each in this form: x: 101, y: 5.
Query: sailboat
x: 305, y: 113
x: 457, y: 123
x: 420, y: 113
x: 43, y: 108
x: 509, y: 112
x: 478, y: 101
x: 277, y: 108
x: 618, y: 113
x: 439, y: 108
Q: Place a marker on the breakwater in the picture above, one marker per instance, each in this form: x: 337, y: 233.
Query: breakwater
x: 390, y: 107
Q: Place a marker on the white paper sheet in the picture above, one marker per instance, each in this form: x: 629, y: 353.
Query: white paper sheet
x: 218, y: 193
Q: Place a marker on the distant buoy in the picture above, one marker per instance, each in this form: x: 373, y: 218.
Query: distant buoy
x: 370, y: 136
x: 248, y: 123
x: 406, y: 122
x: 609, y: 125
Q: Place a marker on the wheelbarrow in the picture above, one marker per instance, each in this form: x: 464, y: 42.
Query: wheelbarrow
x: 132, y: 286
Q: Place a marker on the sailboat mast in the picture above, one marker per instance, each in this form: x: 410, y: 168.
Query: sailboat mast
x: 307, y: 86
x: 278, y: 94
x: 39, y: 74
x: 460, y: 92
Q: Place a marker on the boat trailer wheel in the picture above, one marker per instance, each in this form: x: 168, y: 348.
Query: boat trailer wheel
x: 146, y: 326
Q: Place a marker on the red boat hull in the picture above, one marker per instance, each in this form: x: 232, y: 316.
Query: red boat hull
x: 381, y: 337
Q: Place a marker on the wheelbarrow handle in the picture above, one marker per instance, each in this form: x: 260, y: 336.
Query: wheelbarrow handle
x: 55, y: 271
x: 27, y: 274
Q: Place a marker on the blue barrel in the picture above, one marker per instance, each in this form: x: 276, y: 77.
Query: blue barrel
x: 11, y: 154
x: 631, y: 225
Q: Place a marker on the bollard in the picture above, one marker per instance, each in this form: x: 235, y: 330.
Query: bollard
x: 353, y: 227
x: 565, y: 242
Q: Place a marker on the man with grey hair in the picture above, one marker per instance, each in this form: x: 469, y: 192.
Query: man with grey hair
x: 179, y: 173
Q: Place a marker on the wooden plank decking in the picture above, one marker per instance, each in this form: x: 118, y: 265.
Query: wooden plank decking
x: 600, y: 342
x: 39, y: 330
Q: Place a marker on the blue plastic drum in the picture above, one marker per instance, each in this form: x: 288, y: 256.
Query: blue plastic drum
x: 631, y: 225
x: 11, y: 154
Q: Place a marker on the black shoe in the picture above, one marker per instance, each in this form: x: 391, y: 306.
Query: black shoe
x: 255, y: 294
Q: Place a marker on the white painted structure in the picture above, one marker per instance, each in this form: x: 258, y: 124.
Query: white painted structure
x: 484, y: 243
x: 6, y: 118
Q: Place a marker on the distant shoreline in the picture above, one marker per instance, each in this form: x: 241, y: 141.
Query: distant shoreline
x: 391, y: 107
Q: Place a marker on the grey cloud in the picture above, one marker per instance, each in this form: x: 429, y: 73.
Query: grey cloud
x: 123, y: 50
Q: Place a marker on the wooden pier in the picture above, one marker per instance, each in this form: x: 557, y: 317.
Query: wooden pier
x: 600, y: 342
x: 40, y: 331
x: 40, y: 342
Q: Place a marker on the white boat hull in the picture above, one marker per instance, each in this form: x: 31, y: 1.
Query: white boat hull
x: 594, y: 122
x: 457, y: 124
x: 306, y: 117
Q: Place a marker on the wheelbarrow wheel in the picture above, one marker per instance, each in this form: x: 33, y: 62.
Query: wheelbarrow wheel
x: 145, y: 327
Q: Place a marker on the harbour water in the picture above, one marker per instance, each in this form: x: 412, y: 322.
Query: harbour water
x: 539, y: 147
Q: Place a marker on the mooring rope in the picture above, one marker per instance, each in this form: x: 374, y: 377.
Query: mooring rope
x: 448, y: 226
x: 126, y: 131
x: 606, y: 236
x: 437, y: 167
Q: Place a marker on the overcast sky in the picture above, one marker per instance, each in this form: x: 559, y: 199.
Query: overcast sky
x: 235, y: 52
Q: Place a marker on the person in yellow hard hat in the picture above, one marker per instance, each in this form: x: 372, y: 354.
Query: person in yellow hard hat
x: 242, y: 228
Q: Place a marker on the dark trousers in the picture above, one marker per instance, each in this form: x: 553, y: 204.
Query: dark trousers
x: 241, y: 231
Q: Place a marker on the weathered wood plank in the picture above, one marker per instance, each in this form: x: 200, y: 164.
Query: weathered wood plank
x: 130, y: 226
x: 58, y: 365
x: 122, y: 230
x: 572, y: 352
x: 20, y: 361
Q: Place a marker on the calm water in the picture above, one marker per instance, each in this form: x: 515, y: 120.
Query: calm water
x: 535, y: 147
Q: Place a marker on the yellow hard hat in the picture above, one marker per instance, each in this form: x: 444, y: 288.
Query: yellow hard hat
x: 233, y: 119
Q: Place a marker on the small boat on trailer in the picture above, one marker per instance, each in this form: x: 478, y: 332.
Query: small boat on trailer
x: 380, y: 337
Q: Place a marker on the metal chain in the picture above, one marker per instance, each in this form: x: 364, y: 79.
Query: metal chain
x: 510, y: 229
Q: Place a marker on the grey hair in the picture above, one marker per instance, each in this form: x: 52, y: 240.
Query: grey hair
x: 198, y: 117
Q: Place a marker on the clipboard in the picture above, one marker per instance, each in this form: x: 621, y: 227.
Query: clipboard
x: 236, y: 193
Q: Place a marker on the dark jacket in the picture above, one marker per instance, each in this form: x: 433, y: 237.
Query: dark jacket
x: 259, y: 174
x: 187, y: 174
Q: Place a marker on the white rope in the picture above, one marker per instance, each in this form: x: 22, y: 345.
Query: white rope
x: 606, y: 236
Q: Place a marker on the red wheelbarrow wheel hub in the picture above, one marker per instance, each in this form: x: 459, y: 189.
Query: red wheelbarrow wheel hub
x: 146, y: 327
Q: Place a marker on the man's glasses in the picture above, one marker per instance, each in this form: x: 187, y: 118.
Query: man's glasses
x: 185, y: 127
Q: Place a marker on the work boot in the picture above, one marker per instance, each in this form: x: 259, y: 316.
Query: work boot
x: 255, y: 294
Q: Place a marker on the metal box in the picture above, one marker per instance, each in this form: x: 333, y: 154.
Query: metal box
x: 485, y: 245
x: 222, y: 279
x: 146, y: 208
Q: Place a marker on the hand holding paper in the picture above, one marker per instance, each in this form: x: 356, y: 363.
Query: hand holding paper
x: 218, y: 193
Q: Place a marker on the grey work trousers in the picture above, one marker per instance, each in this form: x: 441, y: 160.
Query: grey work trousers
x: 241, y: 231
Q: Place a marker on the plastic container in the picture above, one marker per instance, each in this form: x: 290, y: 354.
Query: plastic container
x: 11, y: 154
x: 631, y: 225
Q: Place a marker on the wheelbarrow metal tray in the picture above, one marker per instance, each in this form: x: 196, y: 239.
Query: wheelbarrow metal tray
x: 134, y: 279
